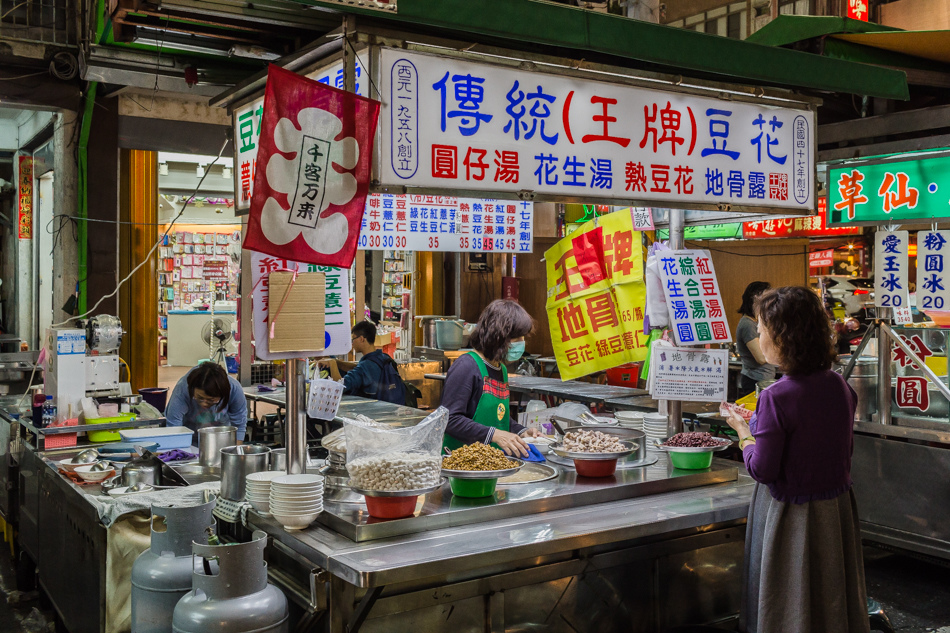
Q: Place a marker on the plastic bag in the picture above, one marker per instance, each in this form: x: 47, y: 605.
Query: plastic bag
x: 383, y: 457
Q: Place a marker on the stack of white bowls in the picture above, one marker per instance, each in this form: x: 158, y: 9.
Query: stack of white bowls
x: 655, y: 427
x: 257, y: 489
x: 296, y: 500
x: 630, y: 419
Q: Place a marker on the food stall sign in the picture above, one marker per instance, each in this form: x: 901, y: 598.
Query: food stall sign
x: 446, y: 223
x: 817, y: 259
x: 726, y: 230
x: 25, y: 198
x: 450, y: 124
x: 689, y: 374
x: 336, y: 306
x: 693, y: 298
x: 882, y: 192
x: 858, y: 10
x: 247, y: 130
x: 913, y: 393
x: 933, y: 283
x: 890, y: 269
x: 596, y: 296
x: 809, y: 226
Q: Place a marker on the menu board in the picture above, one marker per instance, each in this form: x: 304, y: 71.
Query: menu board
x: 693, y: 298
x: 891, y: 269
x: 933, y: 284
x: 689, y: 374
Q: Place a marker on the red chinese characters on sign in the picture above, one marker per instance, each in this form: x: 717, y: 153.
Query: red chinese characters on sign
x: 25, y: 198
x: 912, y: 393
x: 811, y: 226
x: 851, y: 191
x: 858, y: 10
x: 904, y: 196
x: 917, y: 345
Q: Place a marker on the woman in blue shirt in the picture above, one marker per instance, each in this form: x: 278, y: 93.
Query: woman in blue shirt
x: 207, y: 396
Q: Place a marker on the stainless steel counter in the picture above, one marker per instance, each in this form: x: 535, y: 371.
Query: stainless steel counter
x: 577, y: 390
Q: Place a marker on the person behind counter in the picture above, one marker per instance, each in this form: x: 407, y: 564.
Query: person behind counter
x: 804, y: 570
x: 375, y: 376
x: 207, y: 396
x: 476, y: 385
x: 755, y: 367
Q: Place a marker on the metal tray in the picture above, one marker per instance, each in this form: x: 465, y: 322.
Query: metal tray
x: 622, y: 464
x: 399, y: 493
x: 544, y: 472
x: 632, y: 446
x: 483, y: 474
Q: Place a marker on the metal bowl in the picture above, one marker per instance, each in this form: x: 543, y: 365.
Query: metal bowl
x: 636, y: 436
x: 694, y: 449
x: 484, y: 474
x: 631, y: 447
x: 87, y: 456
x: 399, y: 493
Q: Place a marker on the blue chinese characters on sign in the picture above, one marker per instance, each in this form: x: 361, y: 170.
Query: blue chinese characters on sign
x: 404, y: 98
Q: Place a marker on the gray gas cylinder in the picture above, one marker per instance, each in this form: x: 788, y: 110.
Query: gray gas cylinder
x: 162, y: 574
x: 238, y: 599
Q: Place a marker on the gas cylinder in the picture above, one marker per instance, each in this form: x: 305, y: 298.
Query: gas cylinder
x: 236, y: 599
x: 162, y: 574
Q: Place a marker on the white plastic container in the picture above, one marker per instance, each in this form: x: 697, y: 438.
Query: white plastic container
x: 167, y: 437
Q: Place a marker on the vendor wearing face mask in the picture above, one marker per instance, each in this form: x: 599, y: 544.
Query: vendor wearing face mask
x: 476, y: 386
x: 207, y: 396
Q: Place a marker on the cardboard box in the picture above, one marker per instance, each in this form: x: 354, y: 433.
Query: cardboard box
x: 917, y: 15
x: 299, y: 325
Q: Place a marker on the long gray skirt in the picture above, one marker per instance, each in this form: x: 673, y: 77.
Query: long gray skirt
x: 804, y: 571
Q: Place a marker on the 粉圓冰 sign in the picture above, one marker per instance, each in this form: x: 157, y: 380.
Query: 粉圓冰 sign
x: 461, y: 125
x: 890, y: 191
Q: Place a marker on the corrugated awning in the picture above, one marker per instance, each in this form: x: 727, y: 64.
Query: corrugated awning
x: 674, y: 50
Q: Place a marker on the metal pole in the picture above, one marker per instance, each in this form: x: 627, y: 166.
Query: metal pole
x: 675, y: 407
x: 458, y: 285
x: 295, y: 421
x: 883, y: 376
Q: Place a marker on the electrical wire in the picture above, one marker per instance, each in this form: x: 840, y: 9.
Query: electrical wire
x: 155, y: 246
x: 42, y: 72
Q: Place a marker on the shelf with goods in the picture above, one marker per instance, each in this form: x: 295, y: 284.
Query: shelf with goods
x: 397, y: 296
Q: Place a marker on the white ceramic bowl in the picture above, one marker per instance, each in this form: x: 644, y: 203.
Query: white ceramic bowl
x: 295, y: 502
x: 261, y: 506
x: 253, y: 497
x: 68, y: 467
x: 304, y: 480
x: 296, y: 493
x: 293, y: 523
x: 292, y: 512
x: 297, y: 489
x: 86, y: 472
x: 265, y: 476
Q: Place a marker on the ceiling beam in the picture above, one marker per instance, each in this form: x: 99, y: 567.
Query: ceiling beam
x: 892, y: 147
x: 885, y: 125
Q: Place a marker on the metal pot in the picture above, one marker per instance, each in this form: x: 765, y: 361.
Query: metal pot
x: 427, y: 323
x: 141, y: 473
x: 211, y: 439
x: 449, y: 333
x: 237, y: 462
x: 864, y: 382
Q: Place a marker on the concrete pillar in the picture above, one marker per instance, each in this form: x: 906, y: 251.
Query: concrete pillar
x: 65, y: 250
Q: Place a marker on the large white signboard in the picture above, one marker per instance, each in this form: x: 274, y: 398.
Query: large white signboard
x: 444, y: 223
x: 461, y: 125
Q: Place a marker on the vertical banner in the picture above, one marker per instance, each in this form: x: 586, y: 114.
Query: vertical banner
x: 314, y: 158
x: 693, y: 298
x: 595, y: 315
x: 890, y: 269
x: 25, y: 198
x: 933, y: 287
x: 858, y: 10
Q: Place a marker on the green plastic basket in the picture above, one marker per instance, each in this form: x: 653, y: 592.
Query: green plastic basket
x: 473, y: 487
x: 691, y: 461
x: 107, y: 436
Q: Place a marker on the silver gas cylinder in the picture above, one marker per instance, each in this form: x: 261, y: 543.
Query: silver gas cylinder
x: 162, y: 574
x: 238, y: 599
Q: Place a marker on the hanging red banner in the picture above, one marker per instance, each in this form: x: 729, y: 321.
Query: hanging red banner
x: 25, y: 198
x: 811, y: 226
x: 314, y: 159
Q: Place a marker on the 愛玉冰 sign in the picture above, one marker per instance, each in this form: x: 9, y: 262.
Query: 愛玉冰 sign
x: 890, y: 269
x: 444, y: 223
x: 817, y: 259
x: 933, y: 283
x: 889, y: 191
x: 247, y: 130
x: 463, y: 125
x: 809, y: 226
x: 692, y: 297
x: 25, y: 198
x: 596, y: 296
x: 689, y: 374
x: 336, y: 306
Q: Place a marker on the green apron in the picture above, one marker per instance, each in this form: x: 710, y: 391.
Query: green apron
x: 492, y: 407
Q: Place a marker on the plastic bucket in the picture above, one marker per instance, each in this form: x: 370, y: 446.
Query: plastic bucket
x: 391, y: 507
x: 595, y: 467
x: 155, y: 396
x: 691, y: 461
x: 473, y: 487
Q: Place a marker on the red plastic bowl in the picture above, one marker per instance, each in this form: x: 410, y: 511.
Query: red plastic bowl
x: 595, y: 467
x: 391, y: 507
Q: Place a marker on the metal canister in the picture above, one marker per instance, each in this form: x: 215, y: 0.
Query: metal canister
x: 211, y: 439
x: 238, y: 599
x: 237, y: 462
x: 161, y: 575
x: 864, y: 382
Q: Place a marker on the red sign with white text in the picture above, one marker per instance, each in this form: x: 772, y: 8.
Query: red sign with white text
x: 818, y: 259
x: 811, y: 226
x: 912, y: 393
x: 858, y: 10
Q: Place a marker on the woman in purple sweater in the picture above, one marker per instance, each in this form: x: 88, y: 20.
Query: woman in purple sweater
x: 804, y: 571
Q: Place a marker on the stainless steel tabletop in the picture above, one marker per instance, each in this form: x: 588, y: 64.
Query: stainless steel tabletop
x: 442, y: 509
x: 458, y: 550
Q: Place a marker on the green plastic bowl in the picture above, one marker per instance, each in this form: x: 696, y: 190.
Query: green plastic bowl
x: 691, y: 461
x: 473, y: 487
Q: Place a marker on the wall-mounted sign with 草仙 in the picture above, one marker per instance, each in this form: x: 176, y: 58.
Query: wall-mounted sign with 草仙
x: 889, y: 191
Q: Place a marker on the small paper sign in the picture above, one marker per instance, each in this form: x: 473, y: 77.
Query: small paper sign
x: 689, y: 374
x: 902, y: 315
x: 642, y: 218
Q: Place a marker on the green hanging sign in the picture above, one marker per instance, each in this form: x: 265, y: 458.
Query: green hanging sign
x: 707, y: 232
x: 893, y: 191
